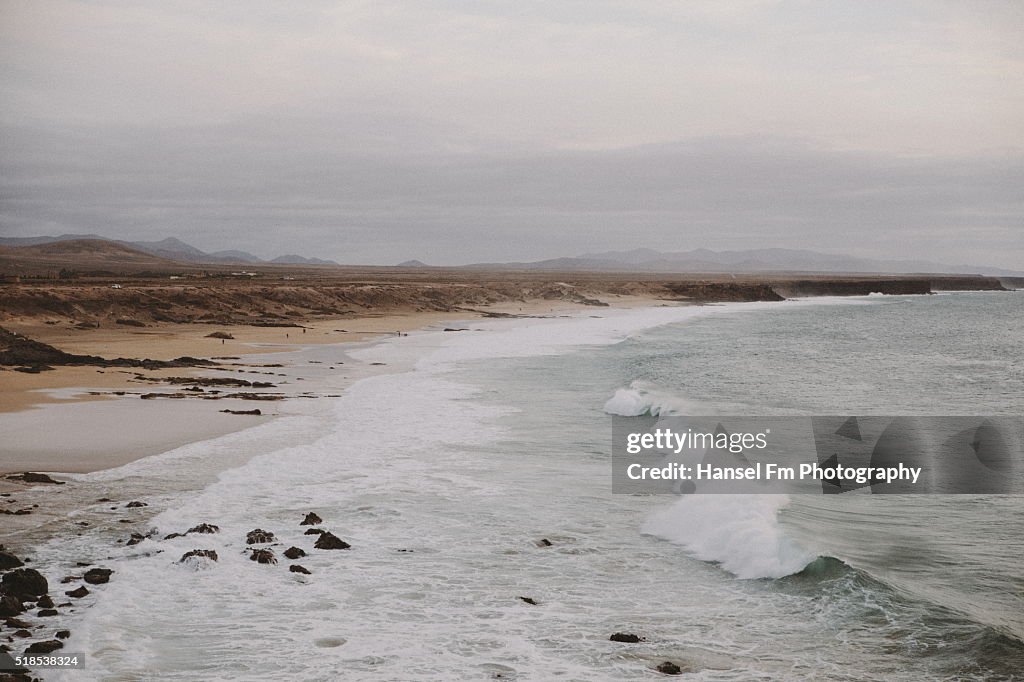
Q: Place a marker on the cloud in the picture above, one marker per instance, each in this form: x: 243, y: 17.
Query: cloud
x: 452, y: 130
x: 220, y: 192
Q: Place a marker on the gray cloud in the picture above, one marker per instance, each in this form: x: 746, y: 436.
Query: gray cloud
x: 453, y: 132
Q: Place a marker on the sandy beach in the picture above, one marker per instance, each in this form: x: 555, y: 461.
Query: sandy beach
x: 92, y: 405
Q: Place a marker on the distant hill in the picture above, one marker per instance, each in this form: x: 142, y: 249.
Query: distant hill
x: 170, y: 248
x: 747, y: 261
x: 412, y: 264
x: 292, y: 259
x: 232, y: 256
x: 79, y: 254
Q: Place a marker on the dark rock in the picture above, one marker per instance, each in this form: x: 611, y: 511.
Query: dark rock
x: 255, y: 412
x: 543, y: 542
x: 263, y: 556
x: 78, y: 593
x: 22, y: 633
x: 8, y: 560
x: 10, y: 605
x: 331, y: 541
x: 135, y: 539
x: 97, y: 576
x: 82, y: 564
x: 219, y: 335
x: 311, y: 520
x: 70, y: 578
x: 20, y: 350
x: 104, y: 499
x: 46, y: 647
x: 669, y: 668
x: 315, y: 531
x: 45, y: 602
x: 294, y: 553
x: 46, y: 613
x: 626, y: 637
x: 136, y: 504
x: 17, y: 623
x: 296, y: 568
x: 173, y: 535
x: 208, y: 553
x: 529, y: 600
x: 32, y: 477
x: 207, y: 528
x: 34, y: 369
x: 258, y: 536
x: 63, y: 634
x: 24, y: 583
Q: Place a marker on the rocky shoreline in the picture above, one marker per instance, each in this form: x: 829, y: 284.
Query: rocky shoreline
x: 32, y: 609
x: 31, y: 616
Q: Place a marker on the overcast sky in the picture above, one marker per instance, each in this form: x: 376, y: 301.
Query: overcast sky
x: 480, y: 130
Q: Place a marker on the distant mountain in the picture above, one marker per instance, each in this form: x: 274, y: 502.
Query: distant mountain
x: 235, y: 257
x: 170, y: 249
x: 90, y: 254
x: 292, y: 259
x: 34, y: 241
x: 746, y: 261
x: 412, y: 264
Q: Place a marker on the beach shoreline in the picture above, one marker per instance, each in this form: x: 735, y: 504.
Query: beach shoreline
x: 382, y: 464
x: 93, y: 426
x: 85, y: 399
x: 117, y: 504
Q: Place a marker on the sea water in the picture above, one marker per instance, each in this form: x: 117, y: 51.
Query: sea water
x: 448, y: 474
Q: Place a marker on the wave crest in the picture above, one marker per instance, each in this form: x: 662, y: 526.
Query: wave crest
x: 638, y: 401
x: 739, y: 532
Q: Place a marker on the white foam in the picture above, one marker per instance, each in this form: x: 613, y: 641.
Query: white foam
x: 639, y: 400
x: 739, y: 532
x: 405, y: 460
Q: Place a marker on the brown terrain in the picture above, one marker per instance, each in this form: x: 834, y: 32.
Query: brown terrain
x: 93, y: 282
x: 73, y: 303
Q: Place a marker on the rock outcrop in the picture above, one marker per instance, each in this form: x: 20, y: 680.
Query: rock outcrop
x: 97, y: 576
x: 329, y: 540
x: 27, y: 584
x: 258, y: 536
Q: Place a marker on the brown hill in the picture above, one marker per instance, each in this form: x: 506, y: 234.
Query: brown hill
x: 82, y: 255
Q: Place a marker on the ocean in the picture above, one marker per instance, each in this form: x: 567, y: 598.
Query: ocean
x: 475, y: 472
